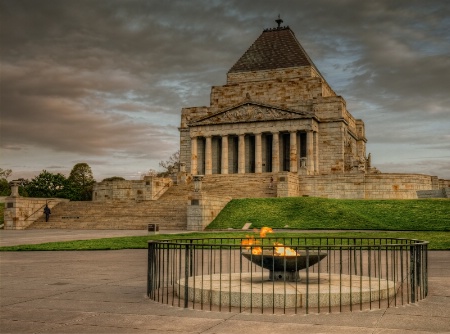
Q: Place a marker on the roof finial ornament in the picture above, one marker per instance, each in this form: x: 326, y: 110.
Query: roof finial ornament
x: 279, y: 21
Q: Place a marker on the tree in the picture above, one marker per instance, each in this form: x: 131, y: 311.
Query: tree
x: 80, y: 183
x: 5, y: 173
x: 113, y: 178
x: 151, y: 172
x: 5, y: 189
x: 170, y: 166
x: 5, y: 186
x: 46, y: 185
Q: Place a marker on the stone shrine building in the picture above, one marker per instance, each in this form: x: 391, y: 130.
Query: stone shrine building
x: 275, y: 129
x: 277, y: 114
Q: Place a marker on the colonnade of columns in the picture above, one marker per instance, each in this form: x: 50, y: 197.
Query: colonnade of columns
x: 291, y: 156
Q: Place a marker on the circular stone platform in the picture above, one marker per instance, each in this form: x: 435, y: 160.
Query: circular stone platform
x: 248, y: 290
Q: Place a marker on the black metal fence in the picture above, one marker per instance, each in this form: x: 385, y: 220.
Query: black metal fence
x: 324, y: 274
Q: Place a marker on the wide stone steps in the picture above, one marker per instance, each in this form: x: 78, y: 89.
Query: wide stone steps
x: 239, y: 186
x: 169, y: 211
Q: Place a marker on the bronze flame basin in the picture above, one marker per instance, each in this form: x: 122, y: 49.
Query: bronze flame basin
x: 284, y: 267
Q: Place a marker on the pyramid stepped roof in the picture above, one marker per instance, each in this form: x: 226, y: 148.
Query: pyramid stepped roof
x: 275, y: 48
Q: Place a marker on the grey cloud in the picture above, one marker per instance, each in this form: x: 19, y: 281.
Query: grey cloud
x: 102, y: 76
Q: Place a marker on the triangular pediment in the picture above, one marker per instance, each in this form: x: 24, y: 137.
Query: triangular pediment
x: 251, y: 112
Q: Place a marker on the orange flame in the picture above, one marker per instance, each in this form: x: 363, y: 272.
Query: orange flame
x: 256, y: 250
x: 264, y: 231
x: 281, y: 250
x: 249, y: 242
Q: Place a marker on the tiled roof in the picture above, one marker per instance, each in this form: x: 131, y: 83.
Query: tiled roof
x: 274, y: 48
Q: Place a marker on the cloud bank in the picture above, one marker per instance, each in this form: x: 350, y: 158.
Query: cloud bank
x: 104, y: 81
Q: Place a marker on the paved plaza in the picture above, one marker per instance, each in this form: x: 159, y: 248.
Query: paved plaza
x: 105, y: 292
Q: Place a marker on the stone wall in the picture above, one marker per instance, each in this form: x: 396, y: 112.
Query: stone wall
x: 285, y: 93
x: 438, y: 193
x: 365, y: 186
x: 279, y: 74
x: 331, y: 147
x: 148, y: 189
x: 395, y: 186
x: 333, y: 186
x: 203, y: 208
x: 185, y: 148
x: 443, y: 183
x: 21, y: 212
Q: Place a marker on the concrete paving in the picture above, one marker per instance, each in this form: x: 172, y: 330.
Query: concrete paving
x: 105, y: 292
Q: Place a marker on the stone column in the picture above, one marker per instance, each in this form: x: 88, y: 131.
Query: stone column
x: 224, y: 162
x: 208, y: 156
x: 258, y: 153
x: 293, y: 156
x: 316, y: 152
x: 310, y: 152
x: 241, y: 154
x: 275, y: 152
x: 194, y: 157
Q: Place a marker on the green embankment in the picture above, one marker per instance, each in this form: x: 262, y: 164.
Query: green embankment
x: 421, y: 219
x: 335, y: 214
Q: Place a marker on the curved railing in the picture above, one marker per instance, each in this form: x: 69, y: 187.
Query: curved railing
x: 323, y: 274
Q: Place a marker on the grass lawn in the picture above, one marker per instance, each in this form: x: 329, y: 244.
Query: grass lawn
x: 330, y: 214
x: 413, y: 219
x: 438, y: 240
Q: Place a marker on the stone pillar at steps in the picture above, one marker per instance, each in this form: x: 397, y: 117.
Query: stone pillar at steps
x: 203, y: 208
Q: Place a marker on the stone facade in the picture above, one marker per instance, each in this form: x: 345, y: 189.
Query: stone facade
x: 257, y: 137
x: 277, y: 114
x: 268, y: 120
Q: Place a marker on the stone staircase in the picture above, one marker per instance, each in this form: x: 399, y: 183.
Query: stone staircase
x: 169, y: 211
x: 239, y: 185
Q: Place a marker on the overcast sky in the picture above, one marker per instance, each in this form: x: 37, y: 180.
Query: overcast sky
x: 103, y: 82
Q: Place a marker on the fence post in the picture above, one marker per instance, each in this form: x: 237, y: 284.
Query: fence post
x: 425, y: 259
x: 186, y: 275
x: 151, y: 267
x: 412, y: 273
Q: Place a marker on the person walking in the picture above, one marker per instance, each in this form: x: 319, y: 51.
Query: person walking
x: 47, y: 212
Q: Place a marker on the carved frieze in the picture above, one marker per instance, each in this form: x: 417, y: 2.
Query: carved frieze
x: 251, y: 113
